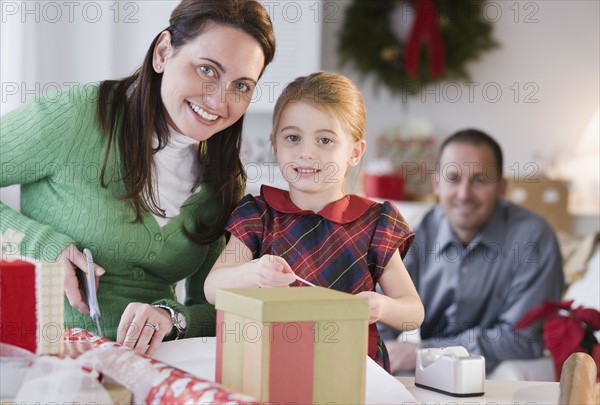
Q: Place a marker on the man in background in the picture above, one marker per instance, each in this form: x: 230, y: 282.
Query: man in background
x: 478, y: 261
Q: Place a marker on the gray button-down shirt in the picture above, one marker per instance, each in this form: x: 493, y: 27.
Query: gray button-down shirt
x: 473, y: 294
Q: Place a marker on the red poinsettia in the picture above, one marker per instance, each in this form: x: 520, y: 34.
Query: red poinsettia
x: 565, y: 329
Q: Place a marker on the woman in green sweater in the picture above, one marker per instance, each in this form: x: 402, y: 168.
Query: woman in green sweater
x: 143, y: 171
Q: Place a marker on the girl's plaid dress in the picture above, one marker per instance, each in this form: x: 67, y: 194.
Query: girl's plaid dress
x: 345, y: 246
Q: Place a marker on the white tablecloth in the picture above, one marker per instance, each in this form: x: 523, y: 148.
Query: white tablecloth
x: 198, y: 357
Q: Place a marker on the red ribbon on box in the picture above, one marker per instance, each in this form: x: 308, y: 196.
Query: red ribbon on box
x: 18, y: 320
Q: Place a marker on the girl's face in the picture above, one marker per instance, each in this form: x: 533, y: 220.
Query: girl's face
x: 314, y: 151
x: 207, y: 84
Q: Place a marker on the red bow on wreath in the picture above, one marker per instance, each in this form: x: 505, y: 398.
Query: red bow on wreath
x: 425, y: 29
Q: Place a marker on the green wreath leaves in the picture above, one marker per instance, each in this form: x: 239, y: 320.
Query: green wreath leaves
x: 367, y: 40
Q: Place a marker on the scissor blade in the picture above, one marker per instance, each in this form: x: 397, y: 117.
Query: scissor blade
x: 98, y: 328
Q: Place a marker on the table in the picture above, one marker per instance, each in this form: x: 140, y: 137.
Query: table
x: 197, y: 356
x: 496, y: 392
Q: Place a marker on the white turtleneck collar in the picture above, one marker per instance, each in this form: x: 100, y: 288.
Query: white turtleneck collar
x: 175, y: 171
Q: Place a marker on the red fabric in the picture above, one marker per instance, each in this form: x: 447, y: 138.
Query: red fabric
x: 18, y: 319
x: 372, y: 348
x: 292, y: 353
x: 425, y: 28
x: 343, y: 211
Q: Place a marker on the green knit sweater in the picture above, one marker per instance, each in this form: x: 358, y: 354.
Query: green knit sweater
x: 53, y: 148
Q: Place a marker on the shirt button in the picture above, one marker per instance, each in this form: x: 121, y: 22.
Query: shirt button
x: 158, y: 237
x: 152, y: 256
x: 464, y: 269
x: 138, y: 273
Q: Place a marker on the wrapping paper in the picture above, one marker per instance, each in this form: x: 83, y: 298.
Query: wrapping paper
x: 150, y: 381
x: 33, y: 379
x: 56, y: 381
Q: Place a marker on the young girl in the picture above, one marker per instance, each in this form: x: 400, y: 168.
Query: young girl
x: 315, y: 231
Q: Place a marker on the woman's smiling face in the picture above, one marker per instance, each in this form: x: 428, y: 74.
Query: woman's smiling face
x: 207, y: 84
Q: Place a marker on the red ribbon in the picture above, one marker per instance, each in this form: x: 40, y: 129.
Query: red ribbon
x: 425, y: 29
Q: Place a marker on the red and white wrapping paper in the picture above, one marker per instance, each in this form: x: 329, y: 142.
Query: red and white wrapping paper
x: 150, y: 381
x: 31, y: 379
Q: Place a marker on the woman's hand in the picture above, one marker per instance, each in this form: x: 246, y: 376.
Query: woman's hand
x: 272, y: 271
x: 376, y: 304
x: 72, y: 260
x: 143, y: 327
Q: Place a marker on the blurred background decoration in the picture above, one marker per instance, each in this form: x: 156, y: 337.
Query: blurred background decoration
x: 406, y: 155
x: 407, y: 44
x: 580, y: 163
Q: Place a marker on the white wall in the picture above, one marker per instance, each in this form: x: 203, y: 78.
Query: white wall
x: 559, y: 55
x: 47, y: 45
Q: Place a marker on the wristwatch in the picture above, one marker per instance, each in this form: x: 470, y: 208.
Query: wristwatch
x: 177, y: 318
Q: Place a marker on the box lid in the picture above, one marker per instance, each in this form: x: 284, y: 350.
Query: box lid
x: 292, y: 304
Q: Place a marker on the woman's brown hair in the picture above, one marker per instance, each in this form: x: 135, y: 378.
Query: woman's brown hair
x: 130, y: 111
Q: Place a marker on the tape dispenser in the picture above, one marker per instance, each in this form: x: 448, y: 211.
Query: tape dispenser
x: 451, y: 371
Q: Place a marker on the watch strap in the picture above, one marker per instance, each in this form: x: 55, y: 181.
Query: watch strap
x: 173, y: 312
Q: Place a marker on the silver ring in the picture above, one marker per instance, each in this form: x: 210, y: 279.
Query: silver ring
x: 154, y: 326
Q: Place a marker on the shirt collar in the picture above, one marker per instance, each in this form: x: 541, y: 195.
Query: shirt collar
x: 493, y: 232
x: 343, y: 211
x: 445, y: 233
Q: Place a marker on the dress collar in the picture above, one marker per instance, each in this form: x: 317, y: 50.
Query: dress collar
x: 343, y: 211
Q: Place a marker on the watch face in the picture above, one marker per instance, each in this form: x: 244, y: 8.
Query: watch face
x: 181, y: 320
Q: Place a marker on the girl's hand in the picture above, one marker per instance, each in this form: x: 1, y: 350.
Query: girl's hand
x: 143, y: 327
x: 403, y: 356
x: 376, y: 303
x: 72, y: 260
x: 272, y: 271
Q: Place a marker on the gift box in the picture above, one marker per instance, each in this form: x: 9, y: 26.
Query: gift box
x: 299, y: 345
x: 384, y: 186
x: 32, y: 308
x: 547, y: 198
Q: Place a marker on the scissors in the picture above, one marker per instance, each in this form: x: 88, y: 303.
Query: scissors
x: 90, y: 290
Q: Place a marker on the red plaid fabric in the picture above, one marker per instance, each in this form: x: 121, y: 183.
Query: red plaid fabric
x: 345, y: 246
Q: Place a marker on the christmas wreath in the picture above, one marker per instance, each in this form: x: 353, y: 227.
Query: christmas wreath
x: 444, y: 36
